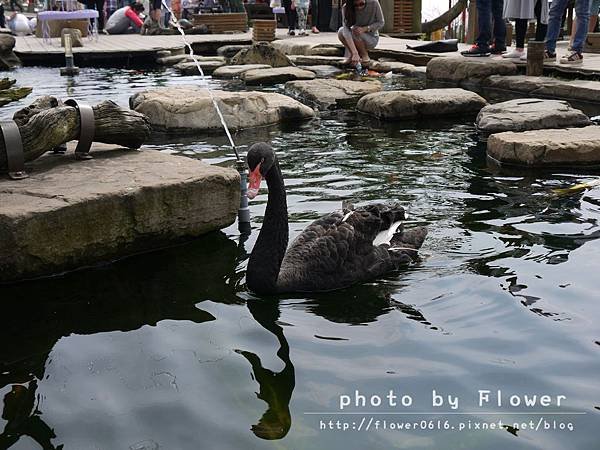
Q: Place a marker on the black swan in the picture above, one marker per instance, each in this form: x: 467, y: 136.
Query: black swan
x: 336, y: 251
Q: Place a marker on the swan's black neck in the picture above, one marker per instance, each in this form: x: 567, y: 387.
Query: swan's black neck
x: 269, y: 250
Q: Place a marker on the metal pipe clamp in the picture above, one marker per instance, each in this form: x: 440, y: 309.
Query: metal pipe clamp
x: 15, y: 159
x: 87, y: 127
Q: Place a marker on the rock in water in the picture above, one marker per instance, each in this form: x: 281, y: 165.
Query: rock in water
x: 332, y: 93
x: 395, y: 105
x: 70, y: 214
x: 276, y: 75
x: 459, y: 69
x: 261, y: 53
x: 76, y: 37
x: 229, y: 51
x: 191, y: 68
x: 236, y: 71
x: 190, y: 108
x: 8, y: 59
x: 529, y: 114
x: 569, y: 147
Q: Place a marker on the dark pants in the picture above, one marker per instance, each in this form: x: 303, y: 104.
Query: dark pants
x: 314, y: 12
x: 522, y: 24
x: 290, y: 14
x: 98, y: 5
x: 488, y: 10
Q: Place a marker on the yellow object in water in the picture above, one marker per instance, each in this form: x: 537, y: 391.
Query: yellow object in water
x: 577, y: 188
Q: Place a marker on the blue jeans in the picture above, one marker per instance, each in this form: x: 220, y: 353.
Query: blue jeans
x: 486, y: 9
x: 582, y: 10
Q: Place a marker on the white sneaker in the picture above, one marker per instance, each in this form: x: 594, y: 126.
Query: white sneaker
x: 523, y: 56
x: 515, y: 54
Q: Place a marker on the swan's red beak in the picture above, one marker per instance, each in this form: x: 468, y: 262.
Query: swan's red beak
x: 254, y: 182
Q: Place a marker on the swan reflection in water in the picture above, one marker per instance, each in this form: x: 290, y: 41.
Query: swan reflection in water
x: 275, y: 388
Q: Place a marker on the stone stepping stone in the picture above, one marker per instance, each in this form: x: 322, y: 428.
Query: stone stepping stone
x: 326, y: 50
x: 529, y: 114
x: 190, y: 108
x: 458, y: 69
x: 190, y: 68
x: 584, y: 90
x: 332, y: 93
x: 144, y: 201
x: 398, y: 67
x: 229, y: 51
x: 172, y: 60
x: 323, y: 71
x: 303, y: 60
x: 261, y: 53
x: 396, y: 105
x: 236, y: 71
x: 547, y: 148
x: 276, y: 75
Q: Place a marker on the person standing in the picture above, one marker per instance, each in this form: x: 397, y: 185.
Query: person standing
x: 361, y: 22
x: 522, y: 11
x: 575, y: 54
x: 488, y: 10
x: 291, y: 16
x: 98, y: 5
x: 111, y: 7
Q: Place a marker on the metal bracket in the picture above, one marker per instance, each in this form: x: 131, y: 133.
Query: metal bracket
x: 87, y: 128
x: 13, y: 144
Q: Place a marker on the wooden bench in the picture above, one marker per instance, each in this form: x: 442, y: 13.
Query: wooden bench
x: 223, y: 22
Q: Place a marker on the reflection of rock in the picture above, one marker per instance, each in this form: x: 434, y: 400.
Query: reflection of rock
x: 276, y: 75
x: 332, y: 93
x: 236, y: 71
x: 8, y: 59
x: 261, y: 53
x: 458, y: 69
x: 529, y: 114
x: 126, y: 295
x: 558, y: 147
x: 69, y: 214
x: 191, y: 108
x: 421, y: 103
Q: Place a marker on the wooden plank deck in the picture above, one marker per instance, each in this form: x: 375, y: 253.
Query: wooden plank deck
x: 127, y: 45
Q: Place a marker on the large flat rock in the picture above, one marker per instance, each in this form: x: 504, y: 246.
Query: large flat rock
x: 190, y: 108
x: 70, y: 214
x: 316, y: 60
x: 582, y: 90
x: 396, y: 105
x: 191, y: 68
x: 332, y: 93
x: 547, y: 148
x: 276, y: 75
x: 458, y: 69
x: 236, y: 71
x: 529, y: 114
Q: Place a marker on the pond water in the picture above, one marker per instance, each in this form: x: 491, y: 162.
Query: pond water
x: 169, y: 350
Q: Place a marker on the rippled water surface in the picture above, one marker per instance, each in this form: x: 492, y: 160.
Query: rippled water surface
x: 169, y: 350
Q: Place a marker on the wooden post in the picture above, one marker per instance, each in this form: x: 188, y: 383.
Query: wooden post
x: 535, y: 58
x: 472, y: 25
x: 416, y: 19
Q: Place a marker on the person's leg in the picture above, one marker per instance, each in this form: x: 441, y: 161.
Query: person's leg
x: 287, y: 5
x: 594, y: 8
x: 484, y: 13
x: 520, y: 32
x: 351, y: 52
x: 302, y: 13
x: 556, y: 12
x: 314, y: 8
x: 540, y: 28
x: 499, y: 25
x: 582, y: 10
x: 100, y: 9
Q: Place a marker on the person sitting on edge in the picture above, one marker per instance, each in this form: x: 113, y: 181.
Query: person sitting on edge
x: 125, y: 20
x: 486, y: 9
x: 361, y: 22
x: 582, y: 11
